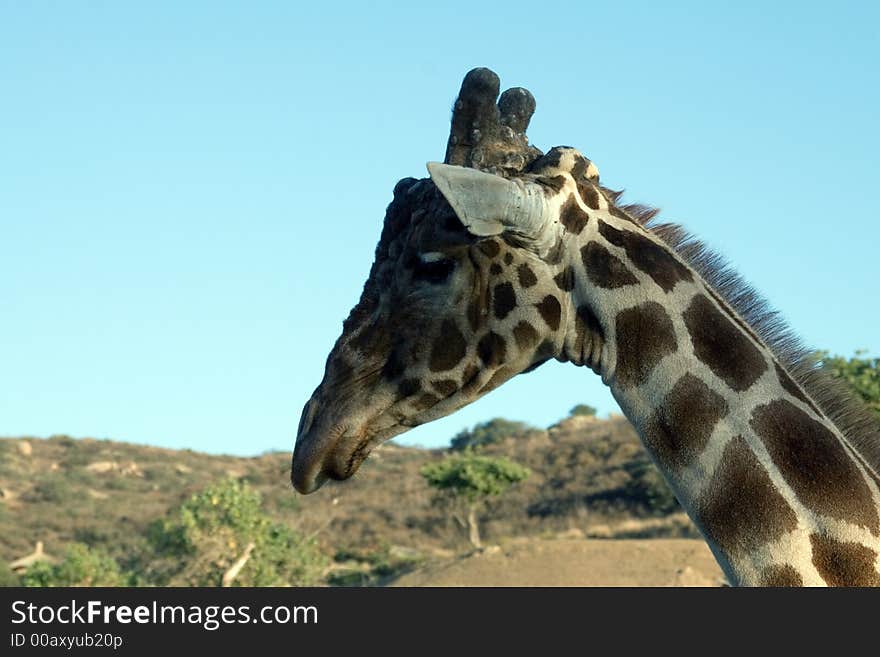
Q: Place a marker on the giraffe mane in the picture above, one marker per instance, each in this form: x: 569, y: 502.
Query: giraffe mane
x: 856, y: 421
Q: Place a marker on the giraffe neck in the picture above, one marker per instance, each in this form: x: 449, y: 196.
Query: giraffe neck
x: 770, y: 481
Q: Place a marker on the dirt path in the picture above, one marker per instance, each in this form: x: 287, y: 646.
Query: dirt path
x: 577, y: 562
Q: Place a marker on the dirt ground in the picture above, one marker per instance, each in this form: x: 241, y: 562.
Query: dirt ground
x: 577, y: 562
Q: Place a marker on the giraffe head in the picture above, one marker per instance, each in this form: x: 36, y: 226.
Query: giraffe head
x: 466, y: 291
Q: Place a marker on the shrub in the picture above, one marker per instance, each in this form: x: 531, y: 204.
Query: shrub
x: 81, y: 566
x: 470, y: 479
x: 374, y: 566
x: 52, y: 489
x: 487, y: 433
x: 863, y: 374
x: 583, y: 409
x: 648, y: 487
x: 472, y: 476
x: 196, y: 544
x: 63, y: 441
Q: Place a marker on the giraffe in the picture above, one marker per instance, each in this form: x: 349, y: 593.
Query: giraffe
x: 504, y: 258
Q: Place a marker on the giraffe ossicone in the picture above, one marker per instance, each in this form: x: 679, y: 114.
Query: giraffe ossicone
x: 484, y: 273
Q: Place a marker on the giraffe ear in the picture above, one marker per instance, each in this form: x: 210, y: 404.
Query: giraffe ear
x: 491, y: 205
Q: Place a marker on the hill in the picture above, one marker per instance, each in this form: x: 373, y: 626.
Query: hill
x: 589, y: 476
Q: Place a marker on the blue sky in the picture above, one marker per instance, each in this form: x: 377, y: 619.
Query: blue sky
x: 190, y: 193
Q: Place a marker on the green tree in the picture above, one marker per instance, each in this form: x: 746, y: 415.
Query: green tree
x: 468, y: 480
x: 583, y: 409
x: 81, y: 566
x: 487, y: 433
x: 863, y: 374
x: 647, y: 486
x: 221, y: 536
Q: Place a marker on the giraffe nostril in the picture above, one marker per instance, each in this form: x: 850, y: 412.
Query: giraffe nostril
x: 307, y: 417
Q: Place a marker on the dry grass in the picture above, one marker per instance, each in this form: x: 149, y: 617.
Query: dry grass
x: 105, y: 493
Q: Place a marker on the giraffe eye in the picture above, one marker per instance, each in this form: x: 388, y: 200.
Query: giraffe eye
x: 432, y: 268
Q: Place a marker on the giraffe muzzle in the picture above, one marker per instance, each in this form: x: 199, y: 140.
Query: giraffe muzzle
x: 330, y: 444
x: 337, y: 452
x: 316, y: 456
x: 306, y: 473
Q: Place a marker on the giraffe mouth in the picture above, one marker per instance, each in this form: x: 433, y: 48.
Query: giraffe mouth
x: 335, y: 455
x: 332, y: 444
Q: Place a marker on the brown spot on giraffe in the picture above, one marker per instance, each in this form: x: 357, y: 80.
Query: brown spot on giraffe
x: 556, y: 183
x: 580, y: 166
x: 425, y: 401
x: 373, y: 340
x: 556, y: 253
x: 445, y: 387
x: 605, y: 269
x: 549, y: 160
x: 572, y: 217
x: 740, y: 509
x: 680, y: 427
x: 779, y: 575
x: 565, y: 279
x: 526, y: 276
x: 490, y: 248
x: 644, y: 336
x: 649, y: 256
x: 736, y: 319
x: 491, y: 349
x: 408, y: 388
x: 508, y: 258
x: 503, y: 300
x: 589, y: 194
x: 495, y: 269
x: 800, y: 447
x: 448, y: 349
x: 793, y: 389
x: 722, y: 346
x: 550, y: 311
x: 843, y: 563
x: 525, y: 335
x: 395, y: 365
